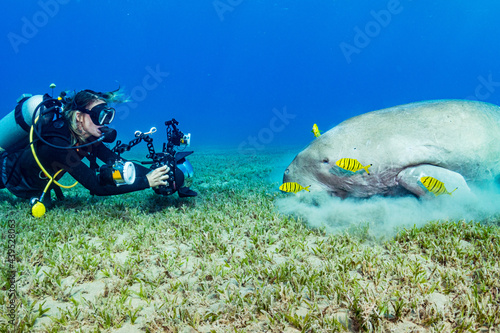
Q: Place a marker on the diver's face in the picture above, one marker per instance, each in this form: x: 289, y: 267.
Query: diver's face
x: 88, y: 127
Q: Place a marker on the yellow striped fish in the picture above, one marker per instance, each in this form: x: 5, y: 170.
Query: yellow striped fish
x: 316, y: 131
x: 293, y: 187
x: 351, y: 164
x: 435, y: 186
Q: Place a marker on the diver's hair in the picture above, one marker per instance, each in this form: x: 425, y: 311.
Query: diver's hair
x: 81, y: 100
x: 75, y: 129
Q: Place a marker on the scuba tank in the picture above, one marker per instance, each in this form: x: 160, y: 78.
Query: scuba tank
x: 15, y: 126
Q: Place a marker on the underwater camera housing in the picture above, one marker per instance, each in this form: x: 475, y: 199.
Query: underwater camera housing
x: 179, y: 166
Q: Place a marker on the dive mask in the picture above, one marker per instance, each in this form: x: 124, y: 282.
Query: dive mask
x: 101, y: 114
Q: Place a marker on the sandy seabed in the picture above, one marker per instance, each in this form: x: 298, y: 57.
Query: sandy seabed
x: 238, y: 258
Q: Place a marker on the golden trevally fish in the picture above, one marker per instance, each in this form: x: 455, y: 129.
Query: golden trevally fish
x: 435, y: 186
x: 293, y: 187
x: 351, y: 164
x: 316, y: 131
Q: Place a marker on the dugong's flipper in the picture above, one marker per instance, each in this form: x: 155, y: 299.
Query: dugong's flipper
x: 410, y: 177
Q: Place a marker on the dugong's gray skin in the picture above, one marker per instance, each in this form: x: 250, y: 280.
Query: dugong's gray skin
x: 454, y: 141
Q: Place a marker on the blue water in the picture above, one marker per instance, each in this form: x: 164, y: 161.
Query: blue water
x: 251, y: 73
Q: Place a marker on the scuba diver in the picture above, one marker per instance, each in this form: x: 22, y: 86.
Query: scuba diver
x: 60, y: 136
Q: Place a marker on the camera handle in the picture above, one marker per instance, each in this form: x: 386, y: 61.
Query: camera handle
x: 139, y: 137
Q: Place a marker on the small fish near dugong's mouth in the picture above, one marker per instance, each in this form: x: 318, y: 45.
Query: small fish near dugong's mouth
x: 419, y: 149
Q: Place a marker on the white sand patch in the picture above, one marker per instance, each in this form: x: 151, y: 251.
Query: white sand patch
x: 189, y: 265
x: 135, y: 289
x: 68, y: 282
x: 246, y: 291
x: 145, y: 313
x: 302, y: 311
x: 171, y: 249
x: 313, y: 241
x: 187, y: 329
x: 315, y: 262
x: 464, y: 245
x: 216, y: 308
x: 417, y: 257
x: 154, y: 272
x: 120, y: 240
x: 120, y: 257
x: 407, y: 326
x: 55, y: 307
x: 183, y: 248
x: 42, y: 272
x: 129, y: 328
x: 273, y: 248
x: 343, y: 317
x: 439, y: 300
x: 279, y: 259
x: 94, y: 242
x: 88, y: 291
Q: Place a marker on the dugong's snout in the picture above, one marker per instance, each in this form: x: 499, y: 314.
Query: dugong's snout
x: 286, y: 177
x: 294, y: 172
x: 301, y: 176
x: 311, y: 168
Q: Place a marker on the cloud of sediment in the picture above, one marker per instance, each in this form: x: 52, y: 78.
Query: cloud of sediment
x: 385, y: 215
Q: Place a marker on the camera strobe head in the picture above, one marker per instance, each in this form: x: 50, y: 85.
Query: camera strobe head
x: 186, y: 140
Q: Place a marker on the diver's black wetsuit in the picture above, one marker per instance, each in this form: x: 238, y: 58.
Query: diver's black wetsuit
x: 23, y: 177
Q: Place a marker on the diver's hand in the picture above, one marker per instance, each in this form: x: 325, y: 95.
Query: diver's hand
x: 158, y: 176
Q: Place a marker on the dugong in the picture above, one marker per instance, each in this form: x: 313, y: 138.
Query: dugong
x: 454, y: 141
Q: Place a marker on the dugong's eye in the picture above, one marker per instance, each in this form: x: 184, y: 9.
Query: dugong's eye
x: 287, y: 172
x: 326, y: 161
